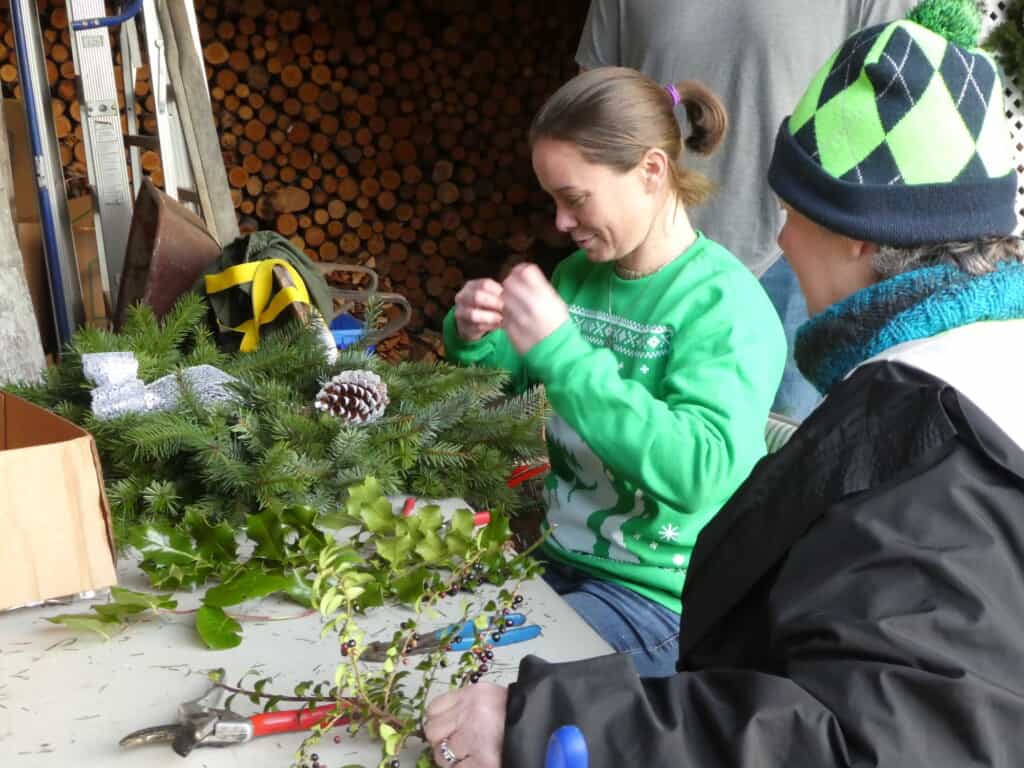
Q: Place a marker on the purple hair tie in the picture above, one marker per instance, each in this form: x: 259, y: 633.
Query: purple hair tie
x: 674, y: 93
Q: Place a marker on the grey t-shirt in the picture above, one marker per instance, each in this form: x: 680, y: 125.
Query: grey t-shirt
x: 758, y: 56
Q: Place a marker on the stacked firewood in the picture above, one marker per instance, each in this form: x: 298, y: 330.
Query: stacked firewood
x: 390, y: 133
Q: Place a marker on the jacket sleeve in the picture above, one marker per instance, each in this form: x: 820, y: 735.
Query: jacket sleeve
x: 891, y: 636
x: 599, y: 42
x: 696, y: 439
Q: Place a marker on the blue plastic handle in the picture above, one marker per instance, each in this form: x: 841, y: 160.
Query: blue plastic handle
x: 130, y: 12
x: 567, y: 749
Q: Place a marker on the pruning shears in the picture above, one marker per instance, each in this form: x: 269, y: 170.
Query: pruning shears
x: 203, y: 723
x: 461, y: 637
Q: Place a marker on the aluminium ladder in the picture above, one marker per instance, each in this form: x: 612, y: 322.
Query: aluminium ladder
x: 186, y: 134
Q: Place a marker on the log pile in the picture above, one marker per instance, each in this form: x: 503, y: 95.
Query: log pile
x: 389, y: 133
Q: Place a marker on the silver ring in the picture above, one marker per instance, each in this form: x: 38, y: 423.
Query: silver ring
x: 447, y: 754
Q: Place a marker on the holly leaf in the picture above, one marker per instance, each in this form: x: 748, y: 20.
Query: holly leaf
x: 339, y: 519
x: 394, y: 549
x: 247, y: 585
x: 430, y: 548
x: 163, y: 544
x: 266, y: 530
x: 378, y: 517
x: 214, y: 542
x: 300, y: 516
x: 496, y: 533
x: 430, y: 517
x: 103, y: 627
x: 410, y: 587
x: 363, y: 494
x: 462, y: 523
x: 457, y: 545
x: 146, y: 600
x: 299, y: 590
x: 372, y: 597
x: 217, y: 629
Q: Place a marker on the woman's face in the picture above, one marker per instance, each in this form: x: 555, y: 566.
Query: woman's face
x: 830, y: 266
x: 606, y: 212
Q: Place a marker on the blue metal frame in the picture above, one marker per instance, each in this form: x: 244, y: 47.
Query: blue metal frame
x: 129, y: 13
x: 46, y: 215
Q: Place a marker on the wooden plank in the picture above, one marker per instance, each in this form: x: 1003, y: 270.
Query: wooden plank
x: 188, y: 78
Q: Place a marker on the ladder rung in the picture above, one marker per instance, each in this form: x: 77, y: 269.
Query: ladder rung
x: 143, y: 142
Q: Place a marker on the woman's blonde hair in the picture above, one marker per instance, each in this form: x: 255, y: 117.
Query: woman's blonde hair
x: 614, y: 115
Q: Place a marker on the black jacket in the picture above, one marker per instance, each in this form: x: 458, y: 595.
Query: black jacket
x: 858, y: 602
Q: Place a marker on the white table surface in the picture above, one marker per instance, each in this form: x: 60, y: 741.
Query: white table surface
x: 67, y: 698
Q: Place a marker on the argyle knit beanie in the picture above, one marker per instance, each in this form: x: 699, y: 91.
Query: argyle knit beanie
x: 901, y: 138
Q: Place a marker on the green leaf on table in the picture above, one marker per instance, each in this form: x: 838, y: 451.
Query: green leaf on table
x: 366, y: 492
x: 247, y: 585
x: 85, y: 622
x: 378, y: 517
x: 394, y: 548
x: 266, y: 530
x: 496, y: 533
x: 411, y: 586
x: 214, y: 542
x: 299, y: 590
x: 148, y: 600
x: 457, y: 545
x: 430, y: 548
x: 372, y: 597
x: 299, y: 516
x: 163, y: 544
x: 337, y: 519
x: 218, y: 630
x: 391, y: 738
x: 430, y: 517
x: 462, y: 522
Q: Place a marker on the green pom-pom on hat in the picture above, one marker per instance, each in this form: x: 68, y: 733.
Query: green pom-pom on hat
x: 959, y: 21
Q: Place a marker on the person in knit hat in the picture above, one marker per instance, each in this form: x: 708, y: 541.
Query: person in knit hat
x: 860, y: 599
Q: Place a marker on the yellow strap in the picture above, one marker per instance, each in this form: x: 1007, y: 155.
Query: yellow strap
x: 264, y: 308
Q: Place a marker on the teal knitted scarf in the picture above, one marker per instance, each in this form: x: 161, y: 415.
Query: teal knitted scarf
x: 913, y: 305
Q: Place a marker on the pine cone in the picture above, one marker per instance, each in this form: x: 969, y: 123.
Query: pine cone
x: 358, y: 397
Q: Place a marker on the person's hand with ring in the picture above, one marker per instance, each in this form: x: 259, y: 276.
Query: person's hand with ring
x: 467, y: 726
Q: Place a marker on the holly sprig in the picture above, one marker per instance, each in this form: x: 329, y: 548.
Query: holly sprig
x: 386, y: 558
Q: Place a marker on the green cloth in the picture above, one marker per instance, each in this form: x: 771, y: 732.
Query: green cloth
x: 661, y: 388
x: 233, y: 307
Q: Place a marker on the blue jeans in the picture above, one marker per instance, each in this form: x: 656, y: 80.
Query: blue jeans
x: 641, y: 628
x: 796, y: 397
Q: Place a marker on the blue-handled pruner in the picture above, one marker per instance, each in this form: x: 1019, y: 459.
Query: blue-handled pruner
x: 510, y: 628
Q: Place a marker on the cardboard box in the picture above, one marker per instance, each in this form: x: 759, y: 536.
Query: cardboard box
x: 57, y: 538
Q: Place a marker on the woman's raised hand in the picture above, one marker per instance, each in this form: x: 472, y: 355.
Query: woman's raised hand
x: 479, y: 308
x: 533, y: 310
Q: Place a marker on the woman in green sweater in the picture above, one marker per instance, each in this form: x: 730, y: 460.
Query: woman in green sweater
x: 659, y: 351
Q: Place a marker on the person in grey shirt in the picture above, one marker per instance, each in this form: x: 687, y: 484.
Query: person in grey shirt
x: 758, y: 56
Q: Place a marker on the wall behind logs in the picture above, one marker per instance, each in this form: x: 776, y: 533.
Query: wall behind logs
x: 380, y: 132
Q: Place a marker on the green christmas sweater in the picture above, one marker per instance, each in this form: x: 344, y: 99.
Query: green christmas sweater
x: 661, y: 388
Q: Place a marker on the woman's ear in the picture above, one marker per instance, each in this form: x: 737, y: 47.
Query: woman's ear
x: 654, y: 169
